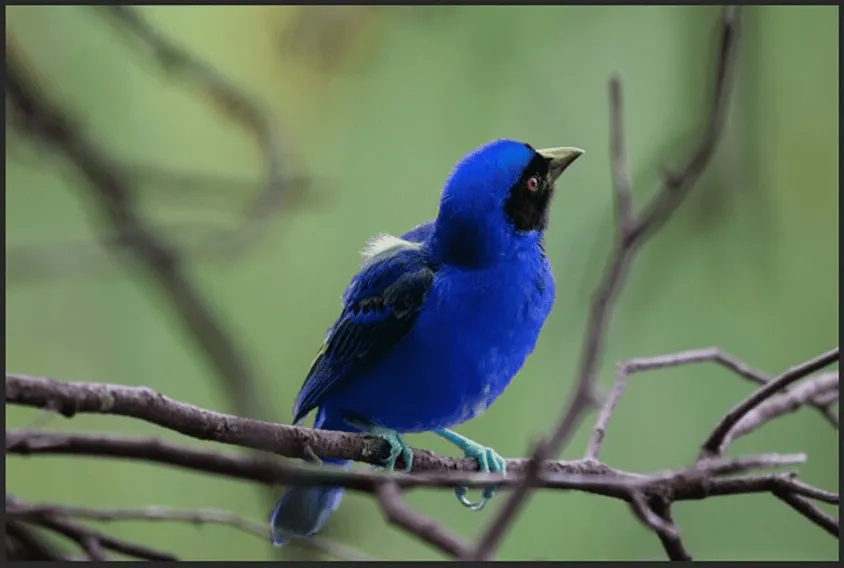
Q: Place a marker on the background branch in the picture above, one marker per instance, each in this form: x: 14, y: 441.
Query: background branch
x: 233, y: 103
x: 115, y: 198
x: 23, y: 543
x: 93, y: 542
x: 195, y: 516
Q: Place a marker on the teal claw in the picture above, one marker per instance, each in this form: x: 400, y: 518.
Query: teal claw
x: 398, y: 447
x: 488, y: 462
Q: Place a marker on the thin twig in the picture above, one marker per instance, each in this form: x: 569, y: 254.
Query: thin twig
x: 811, y: 512
x: 398, y: 513
x: 671, y: 542
x: 715, y: 443
x: 790, y: 400
x: 234, y: 103
x: 41, y: 419
x: 23, y: 543
x: 641, y: 509
x: 675, y: 189
x: 193, y: 516
x: 620, y: 169
x: 93, y: 542
x: 153, y: 513
x: 810, y: 390
x: 800, y: 488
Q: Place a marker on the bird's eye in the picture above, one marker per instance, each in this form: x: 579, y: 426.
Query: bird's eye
x: 533, y: 183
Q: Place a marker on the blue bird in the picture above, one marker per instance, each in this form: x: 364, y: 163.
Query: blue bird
x: 436, y: 323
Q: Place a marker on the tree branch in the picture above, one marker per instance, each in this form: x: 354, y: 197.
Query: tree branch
x: 806, y: 394
x: 193, y: 516
x: 715, y: 444
x: 115, y: 199
x: 815, y: 391
x: 93, y: 542
x: 697, y: 482
x: 398, y: 513
x: 810, y: 511
x: 233, y: 103
x: 671, y: 542
x: 23, y: 543
x: 650, y: 495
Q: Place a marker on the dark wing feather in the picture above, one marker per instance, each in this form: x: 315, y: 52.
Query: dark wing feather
x: 380, y: 306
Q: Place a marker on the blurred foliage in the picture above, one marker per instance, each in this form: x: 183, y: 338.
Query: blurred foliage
x: 376, y: 105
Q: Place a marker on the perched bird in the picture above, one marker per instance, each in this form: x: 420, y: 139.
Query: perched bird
x: 436, y: 323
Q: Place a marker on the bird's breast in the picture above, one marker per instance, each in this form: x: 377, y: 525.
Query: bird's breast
x: 479, y: 326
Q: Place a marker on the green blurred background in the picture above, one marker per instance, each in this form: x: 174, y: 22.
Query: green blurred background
x: 375, y: 105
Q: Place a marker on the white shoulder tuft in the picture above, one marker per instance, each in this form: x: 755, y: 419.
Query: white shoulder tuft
x: 384, y: 244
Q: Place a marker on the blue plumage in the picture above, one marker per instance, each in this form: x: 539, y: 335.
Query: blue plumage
x: 436, y: 324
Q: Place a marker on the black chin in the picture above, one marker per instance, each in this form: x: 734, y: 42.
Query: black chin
x: 529, y: 212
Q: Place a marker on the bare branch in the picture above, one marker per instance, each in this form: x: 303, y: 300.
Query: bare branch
x: 23, y: 543
x: 335, y: 549
x: 398, y: 513
x: 153, y: 513
x: 811, y: 390
x: 791, y: 399
x: 93, y: 542
x: 589, y: 476
x: 115, y: 197
x: 704, y: 479
x: 290, y: 441
x: 800, y: 488
x: 675, y: 189
x: 672, y: 543
x: 716, y: 442
x: 811, y: 512
x: 641, y: 509
x: 40, y: 420
x: 620, y: 169
x: 250, y: 113
x: 193, y: 516
x: 146, y: 404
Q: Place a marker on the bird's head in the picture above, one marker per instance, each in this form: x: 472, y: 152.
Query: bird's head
x: 497, y: 199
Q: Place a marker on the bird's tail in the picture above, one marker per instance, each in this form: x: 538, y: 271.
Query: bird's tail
x: 303, y: 511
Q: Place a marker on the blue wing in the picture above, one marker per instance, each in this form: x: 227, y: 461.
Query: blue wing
x: 420, y: 233
x: 379, y: 308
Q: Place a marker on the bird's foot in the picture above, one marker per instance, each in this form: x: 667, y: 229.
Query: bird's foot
x: 398, y: 447
x: 489, y: 461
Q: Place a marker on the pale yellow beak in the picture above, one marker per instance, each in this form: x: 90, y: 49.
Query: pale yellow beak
x: 559, y: 159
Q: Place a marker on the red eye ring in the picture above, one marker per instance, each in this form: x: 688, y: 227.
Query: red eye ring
x: 533, y: 183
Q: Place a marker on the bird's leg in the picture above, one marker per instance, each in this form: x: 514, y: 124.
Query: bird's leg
x: 488, y: 461
x: 398, y: 447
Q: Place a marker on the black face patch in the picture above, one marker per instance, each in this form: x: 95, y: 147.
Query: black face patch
x: 527, y: 205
